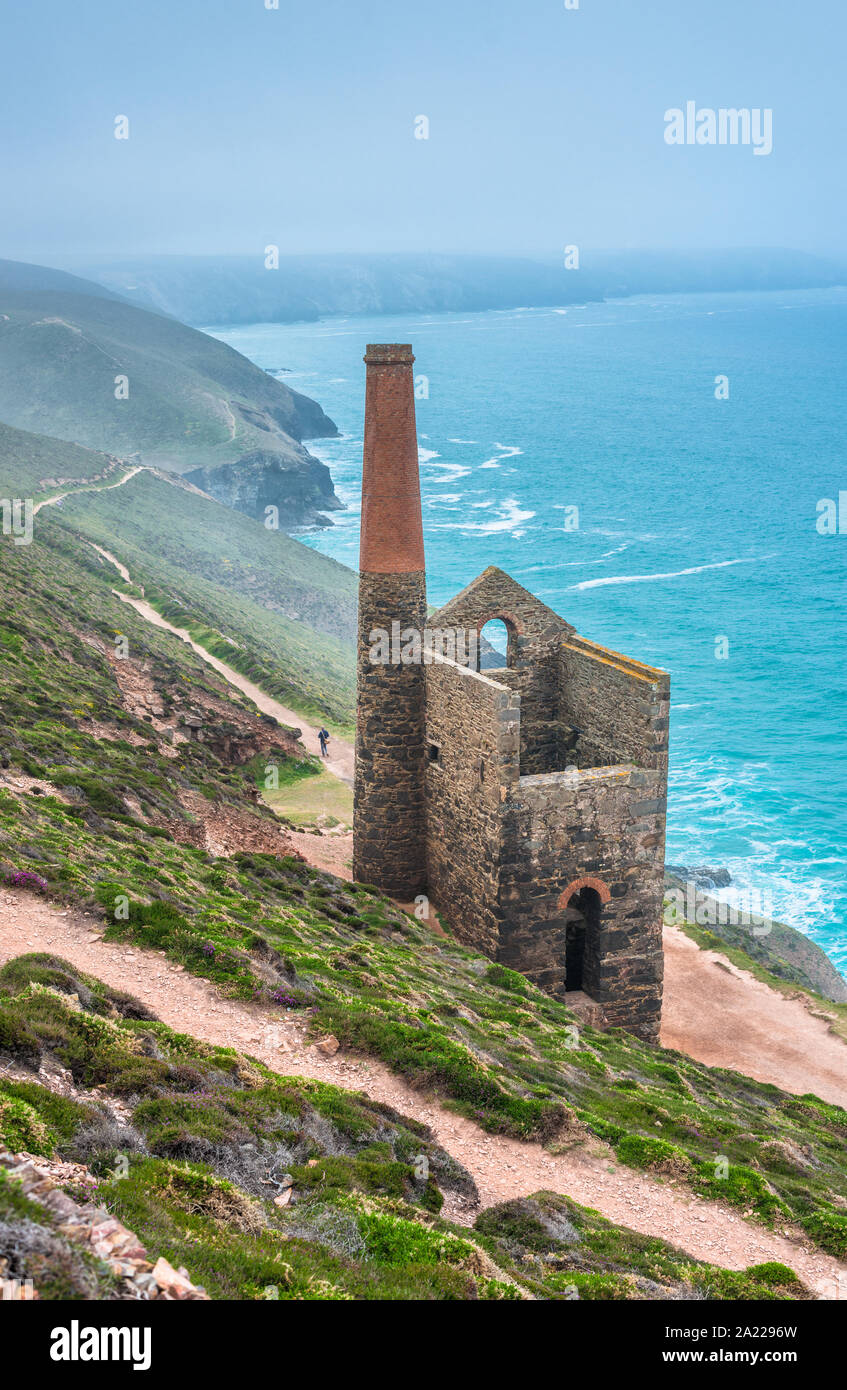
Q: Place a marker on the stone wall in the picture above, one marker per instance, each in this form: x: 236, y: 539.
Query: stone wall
x: 540, y: 782
x: 471, y: 763
x: 389, y: 840
x: 618, y: 706
x: 605, y: 825
x: 536, y: 634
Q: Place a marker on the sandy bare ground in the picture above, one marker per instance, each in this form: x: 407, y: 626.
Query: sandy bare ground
x: 725, y: 1017
x: 332, y: 853
x: 502, y: 1168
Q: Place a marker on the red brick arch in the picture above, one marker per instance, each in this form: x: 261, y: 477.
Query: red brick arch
x: 587, y: 882
x: 508, y: 618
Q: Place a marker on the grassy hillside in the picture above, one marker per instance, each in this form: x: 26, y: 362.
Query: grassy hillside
x: 288, y: 611
x: 210, y: 1137
x: 188, y: 400
x: 108, y: 734
x: 29, y: 463
x: 114, y: 820
x: 267, y: 927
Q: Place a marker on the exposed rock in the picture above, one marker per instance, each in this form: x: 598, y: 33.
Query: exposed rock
x: 298, y: 486
x: 93, y: 1228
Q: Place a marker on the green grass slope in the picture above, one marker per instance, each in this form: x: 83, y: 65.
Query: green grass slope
x: 288, y: 611
x: 28, y: 462
x: 209, y: 1137
x: 59, y: 687
x: 274, y: 930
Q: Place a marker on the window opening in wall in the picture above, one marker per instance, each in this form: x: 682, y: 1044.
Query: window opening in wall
x: 495, y: 646
x: 434, y: 753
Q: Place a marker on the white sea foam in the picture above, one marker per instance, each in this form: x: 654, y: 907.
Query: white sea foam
x: 669, y: 574
x: 461, y: 441
x: 449, y: 472
x: 510, y: 516
x: 507, y: 451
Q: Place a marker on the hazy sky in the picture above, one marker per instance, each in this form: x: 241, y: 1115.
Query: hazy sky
x: 295, y: 126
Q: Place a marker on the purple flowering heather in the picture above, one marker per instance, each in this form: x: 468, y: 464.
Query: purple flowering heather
x: 25, y: 878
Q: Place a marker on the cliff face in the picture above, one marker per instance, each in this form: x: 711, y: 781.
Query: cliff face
x: 298, y: 485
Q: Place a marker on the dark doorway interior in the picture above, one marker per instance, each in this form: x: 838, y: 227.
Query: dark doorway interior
x: 574, y: 955
x: 581, y: 940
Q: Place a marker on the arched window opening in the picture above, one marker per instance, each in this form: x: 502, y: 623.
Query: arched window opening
x: 496, y: 646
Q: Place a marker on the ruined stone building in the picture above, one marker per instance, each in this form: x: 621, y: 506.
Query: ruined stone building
x: 527, y: 802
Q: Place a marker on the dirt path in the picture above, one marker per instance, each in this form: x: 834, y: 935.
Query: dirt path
x: 502, y: 1168
x: 340, y: 764
x: 725, y: 1017
x: 94, y: 487
x: 107, y: 555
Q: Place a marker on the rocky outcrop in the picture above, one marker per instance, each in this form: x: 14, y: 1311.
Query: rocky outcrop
x: 86, y: 1226
x: 296, y: 484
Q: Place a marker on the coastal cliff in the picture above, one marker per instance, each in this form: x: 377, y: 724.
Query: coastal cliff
x: 299, y: 487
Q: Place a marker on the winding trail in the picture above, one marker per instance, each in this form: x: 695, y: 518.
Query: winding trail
x: 502, y: 1168
x: 340, y: 764
x: 92, y: 487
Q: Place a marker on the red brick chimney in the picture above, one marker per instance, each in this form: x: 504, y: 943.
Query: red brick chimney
x: 392, y: 533
x: 389, y: 816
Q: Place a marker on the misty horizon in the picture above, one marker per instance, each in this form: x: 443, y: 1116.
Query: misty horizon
x: 214, y: 130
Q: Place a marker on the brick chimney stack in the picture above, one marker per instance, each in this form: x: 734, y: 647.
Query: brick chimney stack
x: 388, y: 831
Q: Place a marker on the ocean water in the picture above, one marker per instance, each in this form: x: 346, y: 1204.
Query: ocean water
x: 697, y: 532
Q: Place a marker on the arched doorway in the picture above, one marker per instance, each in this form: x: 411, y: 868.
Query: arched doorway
x: 583, y: 914
x: 582, y: 905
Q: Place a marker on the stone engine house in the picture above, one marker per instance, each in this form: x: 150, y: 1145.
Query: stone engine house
x: 527, y: 801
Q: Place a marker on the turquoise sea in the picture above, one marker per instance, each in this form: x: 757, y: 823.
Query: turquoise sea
x: 697, y: 522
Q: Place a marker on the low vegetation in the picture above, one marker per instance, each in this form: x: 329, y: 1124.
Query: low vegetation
x: 273, y: 1187
x: 267, y: 927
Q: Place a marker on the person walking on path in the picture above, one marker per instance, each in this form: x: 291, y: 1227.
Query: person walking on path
x: 323, y: 735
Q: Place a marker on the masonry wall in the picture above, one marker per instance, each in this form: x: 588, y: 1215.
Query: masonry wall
x: 619, y: 706
x: 471, y: 743
x: 607, y: 825
x: 390, y: 815
x: 534, y: 671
